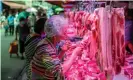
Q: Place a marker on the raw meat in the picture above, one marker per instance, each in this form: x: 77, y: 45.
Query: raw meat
x: 103, y: 38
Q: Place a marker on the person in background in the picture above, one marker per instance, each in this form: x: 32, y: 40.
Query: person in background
x: 6, y: 27
x: 24, y: 30
x: 11, y: 23
x: 31, y: 21
x: 128, y: 28
x: 2, y: 19
x: 31, y: 43
x: 16, y: 20
x: 39, y: 15
x: 129, y: 31
x: 4, y: 23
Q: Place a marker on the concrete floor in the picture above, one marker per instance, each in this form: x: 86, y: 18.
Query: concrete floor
x: 10, y: 67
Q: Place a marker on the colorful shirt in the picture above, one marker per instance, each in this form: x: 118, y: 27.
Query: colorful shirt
x: 45, y: 62
x: 30, y: 44
x: 11, y: 20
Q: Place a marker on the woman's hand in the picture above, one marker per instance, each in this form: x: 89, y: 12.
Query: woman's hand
x: 78, y: 51
x: 66, y: 46
x: 67, y: 64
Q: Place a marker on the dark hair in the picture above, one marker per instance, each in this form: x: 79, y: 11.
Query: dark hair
x: 130, y: 13
x: 124, y: 1
x: 39, y: 25
x: 43, y: 15
x: 21, y: 19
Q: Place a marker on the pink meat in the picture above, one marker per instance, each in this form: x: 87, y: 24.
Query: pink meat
x: 118, y: 39
x: 103, y: 30
x: 77, y: 14
x: 71, y: 16
x: 104, y: 43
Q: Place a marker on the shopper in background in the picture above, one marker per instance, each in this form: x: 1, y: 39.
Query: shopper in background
x: 129, y: 31
x: 39, y: 13
x: 31, y: 21
x: 6, y: 27
x: 11, y: 22
x: 23, y: 29
x: 16, y: 20
x: 3, y: 19
x: 31, y: 43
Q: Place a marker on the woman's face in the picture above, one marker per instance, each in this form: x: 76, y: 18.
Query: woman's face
x: 70, y: 31
x: 22, y: 22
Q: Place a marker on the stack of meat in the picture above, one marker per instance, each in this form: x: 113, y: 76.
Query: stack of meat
x: 83, y: 68
x: 104, y: 47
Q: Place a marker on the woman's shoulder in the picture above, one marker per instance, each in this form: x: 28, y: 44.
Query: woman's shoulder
x: 43, y: 42
x: 32, y: 37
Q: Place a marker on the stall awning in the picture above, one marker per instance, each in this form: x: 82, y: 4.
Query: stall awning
x: 15, y: 5
x: 60, y: 3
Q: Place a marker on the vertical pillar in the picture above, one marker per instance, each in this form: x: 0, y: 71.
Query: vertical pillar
x: 0, y: 6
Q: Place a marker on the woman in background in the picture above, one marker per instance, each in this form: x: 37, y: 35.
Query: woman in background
x: 31, y: 43
x: 129, y: 31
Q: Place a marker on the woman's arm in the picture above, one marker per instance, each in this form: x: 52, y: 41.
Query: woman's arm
x: 130, y: 45
x: 67, y: 64
x: 76, y: 52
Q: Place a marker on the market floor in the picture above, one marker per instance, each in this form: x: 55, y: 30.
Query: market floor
x: 10, y: 67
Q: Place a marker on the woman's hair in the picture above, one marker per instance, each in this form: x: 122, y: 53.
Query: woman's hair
x: 39, y: 25
x: 130, y: 13
x: 54, y: 25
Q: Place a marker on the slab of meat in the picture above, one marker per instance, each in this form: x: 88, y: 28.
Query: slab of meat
x: 118, y: 37
x: 105, y: 30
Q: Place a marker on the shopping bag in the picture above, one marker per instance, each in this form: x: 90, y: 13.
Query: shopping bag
x: 13, y: 49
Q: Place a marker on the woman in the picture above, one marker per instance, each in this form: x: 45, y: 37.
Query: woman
x: 77, y: 71
x: 6, y: 28
x: 31, y: 42
x: 45, y: 64
x: 23, y: 30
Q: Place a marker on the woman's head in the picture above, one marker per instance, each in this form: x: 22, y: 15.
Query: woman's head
x: 39, y: 26
x: 22, y: 21
x: 54, y: 25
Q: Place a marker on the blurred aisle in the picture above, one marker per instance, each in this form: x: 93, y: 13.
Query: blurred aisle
x: 10, y: 67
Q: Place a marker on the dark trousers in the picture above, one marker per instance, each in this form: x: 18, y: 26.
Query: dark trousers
x: 11, y: 29
x: 21, y: 46
x: 6, y: 32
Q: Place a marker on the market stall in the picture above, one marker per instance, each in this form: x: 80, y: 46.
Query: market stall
x: 98, y: 27
x: 103, y: 56
x: 14, y: 5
